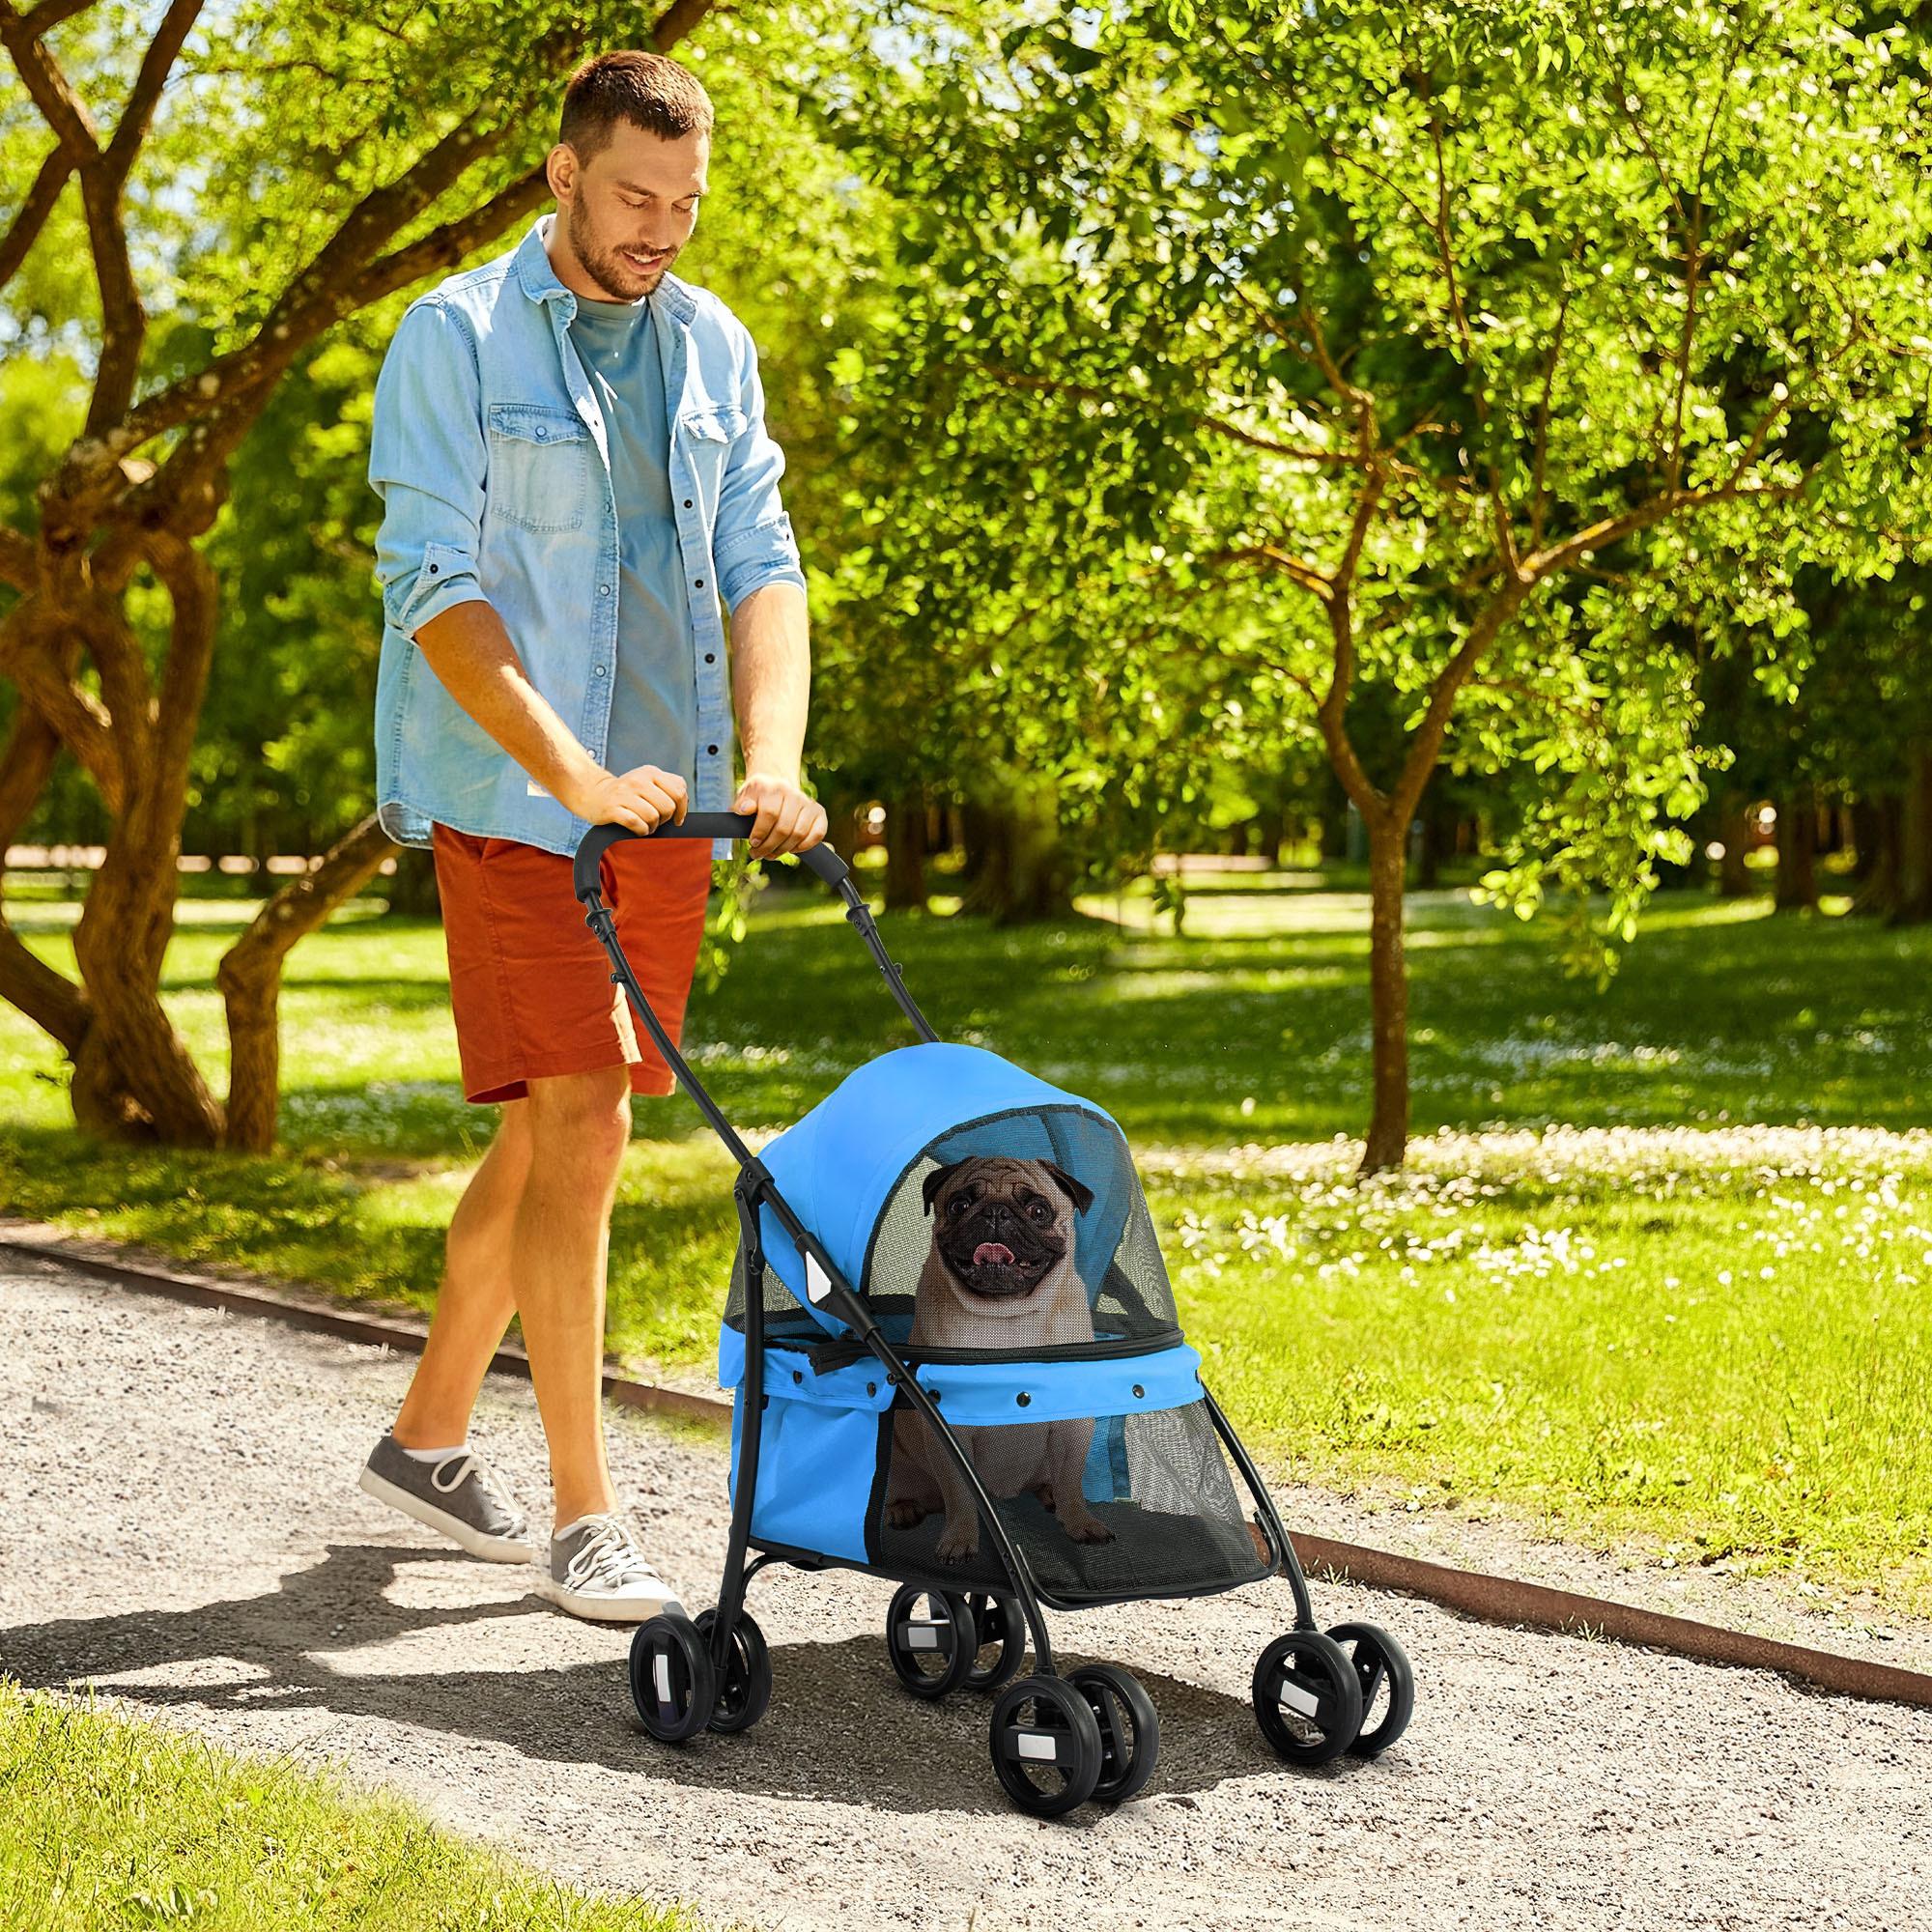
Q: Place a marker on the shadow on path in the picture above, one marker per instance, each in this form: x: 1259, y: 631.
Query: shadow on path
x: 840, y: 1727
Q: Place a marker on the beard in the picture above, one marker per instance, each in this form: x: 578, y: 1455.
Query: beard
x: 620, y: 279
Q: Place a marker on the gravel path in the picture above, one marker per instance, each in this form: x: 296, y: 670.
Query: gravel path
x: 182, y: 1529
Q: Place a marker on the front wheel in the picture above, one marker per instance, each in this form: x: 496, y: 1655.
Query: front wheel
x: 1388, y: 1684
x: 1308, y: 1699
x: 672, y: 1683
x: 1046, y: 1746
x: 1130, y: 1730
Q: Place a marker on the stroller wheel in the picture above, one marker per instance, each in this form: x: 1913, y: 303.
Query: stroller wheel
x: 671, y: 1680
x: 997, y: 1620
x: 1129, y: 1729
x: 745, y: 1691
x: 1046, y: 1746
x: 1388, y: 1684
x: 1307, y: 1698
x: 931, y: 1639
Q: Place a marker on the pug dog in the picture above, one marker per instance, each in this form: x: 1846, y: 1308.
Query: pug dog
x: 1000, y: 1275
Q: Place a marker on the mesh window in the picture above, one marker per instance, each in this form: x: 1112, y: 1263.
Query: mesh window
x: 1158, y: 1484
x: 1114, y: 1249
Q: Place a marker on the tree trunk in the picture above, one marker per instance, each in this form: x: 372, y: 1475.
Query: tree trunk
x: 1914, y: 903
x: 1388, y: 995
x: 906, y: 853
x: 1734, y: 830
x: 412, y: 891
x: 1271, y: 827
x: 978, y: 835
x: 251, y: 979
x: 1797, y: 853
x: 1880, y: 830
x: 1437, y: 824
x: 1022, y: 875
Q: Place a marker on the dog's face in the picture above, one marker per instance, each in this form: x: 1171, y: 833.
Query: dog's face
x: 1002, y: 1227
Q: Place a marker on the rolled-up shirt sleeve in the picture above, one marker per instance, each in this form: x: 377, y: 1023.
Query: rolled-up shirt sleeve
x: 754, y: 544
x: 427, y: 461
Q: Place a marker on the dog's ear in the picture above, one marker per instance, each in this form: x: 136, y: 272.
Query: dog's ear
x: 937, y: 1179
x: 1077, y: 1191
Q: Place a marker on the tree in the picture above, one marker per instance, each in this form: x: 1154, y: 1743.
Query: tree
x: 348, y: 154
x: 1481, y: 357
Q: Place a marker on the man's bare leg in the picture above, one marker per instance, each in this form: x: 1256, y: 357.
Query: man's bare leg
x: 477, y: 1296
x: 580, y: 1123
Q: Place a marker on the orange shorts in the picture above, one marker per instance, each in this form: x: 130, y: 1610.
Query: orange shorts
x: 529, y: 984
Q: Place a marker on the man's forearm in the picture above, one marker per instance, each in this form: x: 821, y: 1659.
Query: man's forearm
x: 771, y: 679
x: 470, y: 649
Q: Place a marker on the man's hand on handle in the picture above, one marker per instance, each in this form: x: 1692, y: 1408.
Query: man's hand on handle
x: 788, y: 821
x: 639, y: 800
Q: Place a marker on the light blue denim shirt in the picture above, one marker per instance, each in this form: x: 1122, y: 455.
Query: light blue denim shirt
x: 491, y: 455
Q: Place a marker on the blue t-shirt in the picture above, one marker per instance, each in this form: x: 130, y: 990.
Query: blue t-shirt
x: 654, y: 702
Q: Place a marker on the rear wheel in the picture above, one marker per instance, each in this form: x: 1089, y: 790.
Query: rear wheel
x: 1307, y: 1698
x: 1001, y: 1629
x: 1046, y: 1746
x: 931, y: 1639
x: 672, y: 1683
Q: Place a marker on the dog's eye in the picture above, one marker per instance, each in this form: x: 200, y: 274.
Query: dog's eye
x: 957, y: 1205
x: 1038, y: 1210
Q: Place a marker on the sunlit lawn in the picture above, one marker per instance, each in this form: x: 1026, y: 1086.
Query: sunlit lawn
x: 108, y: 1822
x: 1680, y: 1331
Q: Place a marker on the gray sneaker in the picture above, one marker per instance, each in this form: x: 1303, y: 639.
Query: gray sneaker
x: 598, y: 1572
x: 460, y: 1495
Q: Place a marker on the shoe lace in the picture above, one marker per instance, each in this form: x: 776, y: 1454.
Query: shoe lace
x: 465, y: 1463
x: 607, y: 1559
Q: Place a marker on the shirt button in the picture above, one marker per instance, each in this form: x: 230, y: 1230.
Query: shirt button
x: 603, y: 591
x: 700, y: 583
x: 598, y: 668
x: 710, y: 657
x: 687, y: 502
x: 542, y: 433
x: 712, y: 748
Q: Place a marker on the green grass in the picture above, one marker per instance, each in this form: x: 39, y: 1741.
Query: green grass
x: 1576, y: 1328
x: 107, y: 1824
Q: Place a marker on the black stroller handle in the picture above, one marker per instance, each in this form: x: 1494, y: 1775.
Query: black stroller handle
x: 598, y: 917
x: 592, y: 846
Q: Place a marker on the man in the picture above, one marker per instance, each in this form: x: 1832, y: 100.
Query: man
x: 570, y: 446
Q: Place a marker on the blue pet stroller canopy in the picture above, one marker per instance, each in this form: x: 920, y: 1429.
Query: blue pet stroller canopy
x: 852, y: 1170
x: 841, y: 1165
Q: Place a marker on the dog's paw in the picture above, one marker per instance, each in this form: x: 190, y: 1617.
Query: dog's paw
x: 1045, y: 1493
x: 1089, y: 1529
x: 959, y: 1546
x: 903, y: 1514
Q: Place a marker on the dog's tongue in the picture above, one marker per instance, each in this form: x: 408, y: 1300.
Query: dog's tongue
x: 991, y: 1251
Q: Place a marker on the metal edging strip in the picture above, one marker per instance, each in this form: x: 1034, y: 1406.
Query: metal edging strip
x: 1494, y: 1600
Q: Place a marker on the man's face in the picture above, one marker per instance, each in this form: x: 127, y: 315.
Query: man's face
x: 631, y: 209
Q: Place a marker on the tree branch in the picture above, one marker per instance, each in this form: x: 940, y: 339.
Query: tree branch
x: 1022, y: 379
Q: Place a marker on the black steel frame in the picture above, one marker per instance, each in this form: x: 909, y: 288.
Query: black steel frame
x: 754, y: 1187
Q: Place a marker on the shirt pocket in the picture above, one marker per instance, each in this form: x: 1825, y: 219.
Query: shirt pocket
x: 541, y: 459
x: 707, y: 436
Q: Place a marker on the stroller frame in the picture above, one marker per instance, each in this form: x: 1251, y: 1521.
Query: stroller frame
x: 756, y: 1186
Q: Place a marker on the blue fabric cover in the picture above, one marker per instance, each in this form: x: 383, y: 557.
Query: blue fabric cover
x: 820, y: 1447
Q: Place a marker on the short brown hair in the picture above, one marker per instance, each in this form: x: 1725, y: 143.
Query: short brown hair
x: 648, y: 90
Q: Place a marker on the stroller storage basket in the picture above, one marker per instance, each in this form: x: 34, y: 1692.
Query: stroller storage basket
x: 955, y: 1362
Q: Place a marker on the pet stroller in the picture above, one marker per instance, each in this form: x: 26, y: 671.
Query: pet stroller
x: 835, y: 1228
